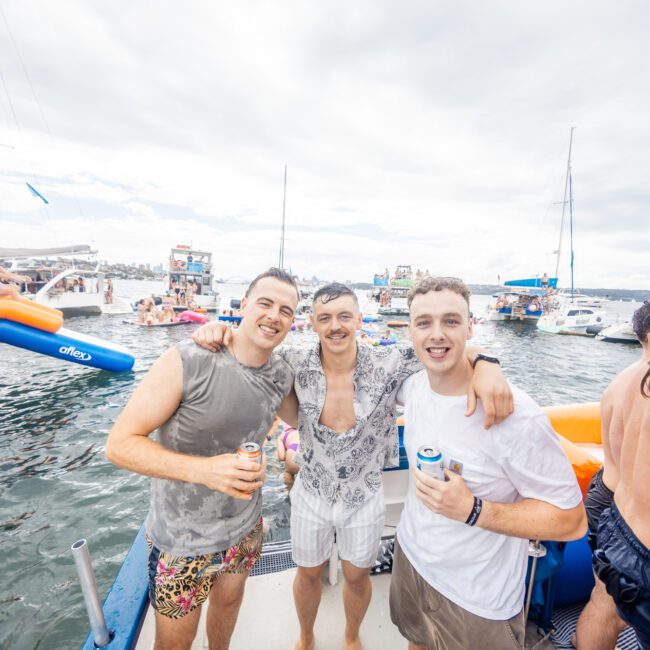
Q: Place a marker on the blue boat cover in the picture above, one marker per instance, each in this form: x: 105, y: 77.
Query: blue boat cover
x: 531, y: 283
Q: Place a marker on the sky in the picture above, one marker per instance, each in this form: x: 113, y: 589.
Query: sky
x: 430, y: 134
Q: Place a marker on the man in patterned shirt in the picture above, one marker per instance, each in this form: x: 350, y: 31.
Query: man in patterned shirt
x: 347, y: 395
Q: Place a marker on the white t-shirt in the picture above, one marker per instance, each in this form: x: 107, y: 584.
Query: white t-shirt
x: 520, y: 458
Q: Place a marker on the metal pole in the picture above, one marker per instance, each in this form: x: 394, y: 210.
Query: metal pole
x: 101, y: 635
x: 571, y: 226
x: 535, y: 550
x: 566, y: 187
x: 284, y: 203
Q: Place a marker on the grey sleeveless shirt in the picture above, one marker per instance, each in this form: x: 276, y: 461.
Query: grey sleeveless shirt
x: 223, y: 404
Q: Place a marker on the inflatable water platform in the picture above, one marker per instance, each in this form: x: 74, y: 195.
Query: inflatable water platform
x: 38, y: 328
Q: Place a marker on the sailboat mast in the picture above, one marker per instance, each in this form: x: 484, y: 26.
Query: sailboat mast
x: 284, y: 203
x: 571, y: 227
x: 566, y: 187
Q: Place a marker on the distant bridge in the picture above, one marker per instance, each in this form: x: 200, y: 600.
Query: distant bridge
x: 236, y: 279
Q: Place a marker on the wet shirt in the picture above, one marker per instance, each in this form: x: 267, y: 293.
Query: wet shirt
x: 347, y: 467
x: 223, y: 405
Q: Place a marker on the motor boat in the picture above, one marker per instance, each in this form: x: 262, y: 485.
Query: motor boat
x: 572, y: 319
x: 189, y: 265
x: 582, y: 300
x: 64, y: 292
x: 618, y: 333
x: 59, y: 283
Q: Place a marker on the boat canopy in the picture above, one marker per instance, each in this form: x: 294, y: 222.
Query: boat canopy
x: 531, y: 283
x: 18, y: 253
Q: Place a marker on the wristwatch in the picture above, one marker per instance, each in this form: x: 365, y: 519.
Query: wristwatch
x: 484, y: 357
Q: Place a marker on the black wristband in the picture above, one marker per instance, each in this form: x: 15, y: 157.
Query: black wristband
x: 484, y: 357
x: 476, y: 511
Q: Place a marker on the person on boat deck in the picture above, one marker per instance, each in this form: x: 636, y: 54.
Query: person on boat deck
x: 108, y: 294
x: 618, y: 508
x: 10, y: 290
x: 347, y: 397
x: 82, y: 285
x: 545, y: 281
x: 205, y: 527
x: 461, y: 547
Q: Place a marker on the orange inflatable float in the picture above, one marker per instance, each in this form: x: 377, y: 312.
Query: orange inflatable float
x: 578, y: 428
x: 32, y: 314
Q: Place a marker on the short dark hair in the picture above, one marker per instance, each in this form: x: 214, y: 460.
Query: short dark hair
x: 641, y: 321
x: 641, y: 327
x: 332, y: 291
x: 278, y: 274
x: 439, y: 283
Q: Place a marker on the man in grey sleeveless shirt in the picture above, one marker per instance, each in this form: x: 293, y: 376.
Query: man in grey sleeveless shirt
x: 204, y: 527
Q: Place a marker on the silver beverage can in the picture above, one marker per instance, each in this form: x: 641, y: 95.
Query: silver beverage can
x: 430, y: 462
x: 250, y: 451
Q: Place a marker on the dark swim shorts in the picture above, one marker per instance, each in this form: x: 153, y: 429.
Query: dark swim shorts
x: 599, y: 498
x: 622, y: 562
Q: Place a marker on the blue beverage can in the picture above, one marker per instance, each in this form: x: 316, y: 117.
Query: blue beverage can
x: 430, y: 462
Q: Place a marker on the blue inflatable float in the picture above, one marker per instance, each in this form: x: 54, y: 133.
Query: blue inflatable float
x: 68, y: 346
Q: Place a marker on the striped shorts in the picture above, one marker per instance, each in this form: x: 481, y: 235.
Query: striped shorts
x: 314, y: 523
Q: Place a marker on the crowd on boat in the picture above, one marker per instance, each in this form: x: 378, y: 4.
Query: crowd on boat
x: 182, y: 293
x: 152, y: 310
x: 474, y: 499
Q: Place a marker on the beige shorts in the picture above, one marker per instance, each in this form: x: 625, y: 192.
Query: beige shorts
x: 425, y: 617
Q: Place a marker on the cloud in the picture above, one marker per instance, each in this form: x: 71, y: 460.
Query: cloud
x: 430, y: 134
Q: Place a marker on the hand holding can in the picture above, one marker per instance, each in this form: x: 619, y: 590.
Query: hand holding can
x: 250, y: 451
x: 430, y: 461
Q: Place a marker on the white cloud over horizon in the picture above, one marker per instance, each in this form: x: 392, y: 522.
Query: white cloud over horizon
x: 434, y: 135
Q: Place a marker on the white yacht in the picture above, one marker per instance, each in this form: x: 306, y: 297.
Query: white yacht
x: 56, y: 281
x: 583, y: 300
x: 572, y: 319
x: 64, y: 291
x: 190, y: 265
x: 618, y: 333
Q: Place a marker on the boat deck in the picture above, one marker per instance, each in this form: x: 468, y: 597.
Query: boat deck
x: 267, y: 618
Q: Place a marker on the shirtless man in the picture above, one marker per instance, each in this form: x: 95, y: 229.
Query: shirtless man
x: 347, y: 395
x: 11, y: 290
x: 622, y: 557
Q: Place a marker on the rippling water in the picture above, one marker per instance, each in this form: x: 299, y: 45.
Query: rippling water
x: 56, y: 486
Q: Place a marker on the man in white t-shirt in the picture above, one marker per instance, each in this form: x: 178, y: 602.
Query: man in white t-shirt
x: 461, y: 546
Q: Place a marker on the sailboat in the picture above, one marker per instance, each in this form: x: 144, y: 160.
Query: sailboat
x: 571, y: 317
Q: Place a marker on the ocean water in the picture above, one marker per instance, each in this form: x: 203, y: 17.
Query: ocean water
x: 56, y: 486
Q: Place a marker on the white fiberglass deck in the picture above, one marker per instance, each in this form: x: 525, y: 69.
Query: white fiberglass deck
x: 268, y: 619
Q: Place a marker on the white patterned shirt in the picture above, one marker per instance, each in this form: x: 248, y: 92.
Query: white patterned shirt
x: 348, y: 466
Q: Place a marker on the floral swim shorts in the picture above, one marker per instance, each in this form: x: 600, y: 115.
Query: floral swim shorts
x: 178, y: 584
